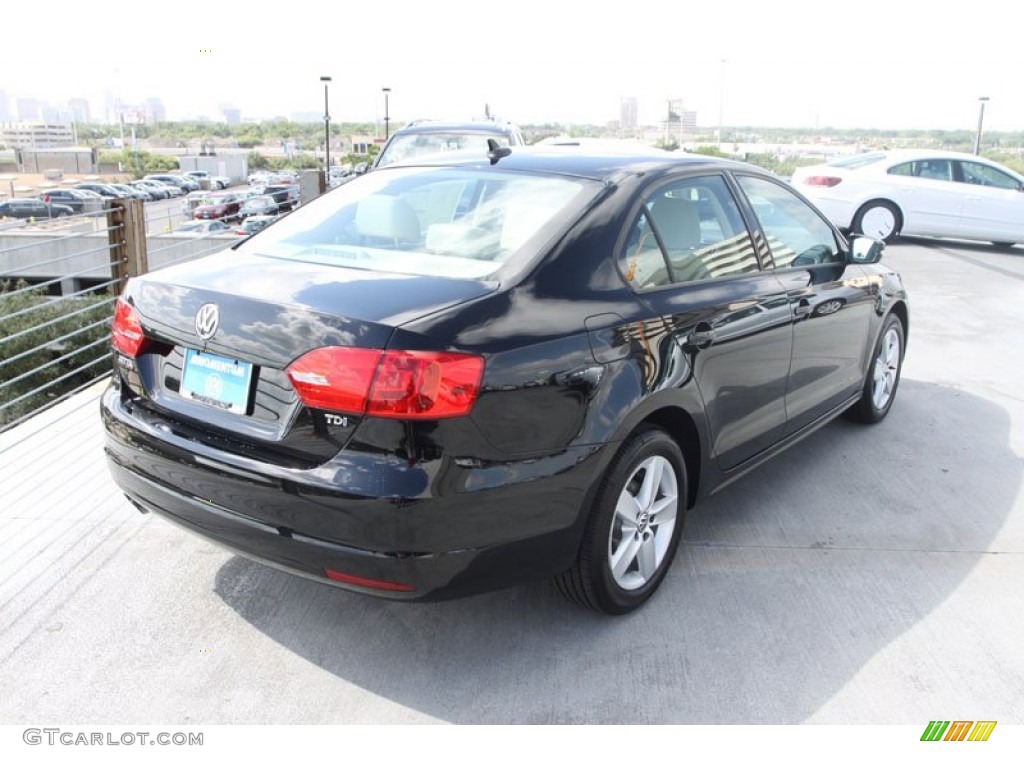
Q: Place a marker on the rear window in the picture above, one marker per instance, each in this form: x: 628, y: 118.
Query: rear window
x: 858, y: 161
x: 408, y: 145
x: 448, y: 222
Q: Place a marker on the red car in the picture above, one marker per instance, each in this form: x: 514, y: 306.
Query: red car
x: 221, y: 207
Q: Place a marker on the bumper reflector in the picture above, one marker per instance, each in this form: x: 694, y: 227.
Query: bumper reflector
x: 360, y: 581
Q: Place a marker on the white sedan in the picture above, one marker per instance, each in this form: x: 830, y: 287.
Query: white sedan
x: 919, y: 192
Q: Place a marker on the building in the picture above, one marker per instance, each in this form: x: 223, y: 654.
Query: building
x: 80, y: 110
x: 628, y: 113
x: 28, y: 110
x: 361, y: 144
x: 26, y: 135
x: 155, y: 111
x: 232, y: 116
x: 678, y: 122
x: 76, y: 160
x: 49, y: 113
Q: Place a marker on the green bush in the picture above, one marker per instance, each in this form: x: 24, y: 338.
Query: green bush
x: 139, y: 162
x: 35, y: 330
x: 257, y: 162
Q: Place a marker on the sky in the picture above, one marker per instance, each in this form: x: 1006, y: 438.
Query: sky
x: 859, y: 63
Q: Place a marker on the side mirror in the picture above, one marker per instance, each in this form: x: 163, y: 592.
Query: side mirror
x: 866, y: 250
x: 361, y: 168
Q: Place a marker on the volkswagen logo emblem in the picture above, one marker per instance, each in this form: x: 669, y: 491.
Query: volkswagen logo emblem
x: 207, y: 320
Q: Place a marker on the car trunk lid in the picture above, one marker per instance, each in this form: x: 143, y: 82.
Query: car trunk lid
x: 269, y: 313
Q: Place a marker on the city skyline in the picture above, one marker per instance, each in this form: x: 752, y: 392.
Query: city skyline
x: 792, y: 65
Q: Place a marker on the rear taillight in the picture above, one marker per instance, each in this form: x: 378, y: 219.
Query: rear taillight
x: 127, y: 335
x: 335, y: 378
x: 390, y: 384
x: 822, y: 181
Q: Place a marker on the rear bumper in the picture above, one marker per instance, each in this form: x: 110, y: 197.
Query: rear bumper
x: 442, y: 530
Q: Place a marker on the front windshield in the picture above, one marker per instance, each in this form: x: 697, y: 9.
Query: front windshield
x: 408, y: 145
x: 451, y: 222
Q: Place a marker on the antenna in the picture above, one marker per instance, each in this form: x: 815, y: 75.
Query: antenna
x: 496, y: 152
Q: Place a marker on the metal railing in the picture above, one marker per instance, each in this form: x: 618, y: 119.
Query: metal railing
x: 58, y: 285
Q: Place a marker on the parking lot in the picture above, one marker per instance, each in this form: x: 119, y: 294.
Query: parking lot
x: 868, y: 575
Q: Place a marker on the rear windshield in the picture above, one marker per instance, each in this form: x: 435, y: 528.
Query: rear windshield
x: 858, y: 161
x: 449, y: 222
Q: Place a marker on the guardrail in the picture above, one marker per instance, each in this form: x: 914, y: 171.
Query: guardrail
x: 58, y: 284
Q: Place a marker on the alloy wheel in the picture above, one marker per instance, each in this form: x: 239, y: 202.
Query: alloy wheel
x: 645, y: 517
x: 887, y: 366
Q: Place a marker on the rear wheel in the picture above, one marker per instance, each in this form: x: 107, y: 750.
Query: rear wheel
x: 880, y: 219
x: 883, y: 377
x: 634, y: 527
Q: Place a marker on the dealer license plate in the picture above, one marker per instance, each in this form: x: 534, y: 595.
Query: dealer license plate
x: 215, y: 380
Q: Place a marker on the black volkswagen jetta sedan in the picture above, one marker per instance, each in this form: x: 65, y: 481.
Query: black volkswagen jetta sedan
x: 476, y: 371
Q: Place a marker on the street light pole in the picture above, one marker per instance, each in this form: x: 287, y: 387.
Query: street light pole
x: 981, y: 120
x: 387, y: 118
x: 325, y: 79
x: 721, y: 102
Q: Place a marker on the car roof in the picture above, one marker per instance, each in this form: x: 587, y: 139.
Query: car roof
x: 922, y: 154
x: 439, y: 126
x: 604, y: 162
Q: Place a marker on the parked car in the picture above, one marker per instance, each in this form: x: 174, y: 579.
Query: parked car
x: 919, y: 192
x: 103, y: 190
x: 184, y: 184
x: 88, y: 194
x: 72, y: 198
x: 216, y: 182
x: 171, y: 190
x: 452, y: 376
x: 253, y: 224
x: 155, y: 191
x: 425, y: 137
x: 219, y: 206
x: 261, y: 178
x: 261, y: 205
x: 33, y: 208
x: 285, y: 195
x: 197, y: 228
x: 129, y: 191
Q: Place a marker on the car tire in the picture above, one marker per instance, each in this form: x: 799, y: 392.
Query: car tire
x: 634, y: 527
x: 880, y: 219
x: 883, y: 376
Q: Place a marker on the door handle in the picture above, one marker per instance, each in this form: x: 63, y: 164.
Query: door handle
x: 702, y: 336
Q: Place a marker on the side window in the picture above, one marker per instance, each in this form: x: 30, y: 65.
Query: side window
x: 689, y: 230
x: 796, y: 234
x: 986, y: 175
x: 903, y: 169
x: 940, y: 170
